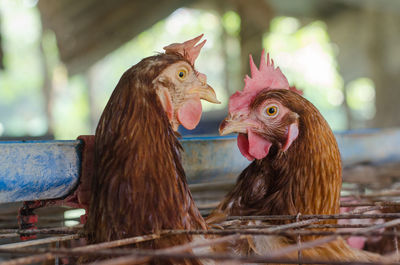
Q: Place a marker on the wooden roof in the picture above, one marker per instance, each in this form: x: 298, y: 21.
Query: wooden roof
x: 87, y: 30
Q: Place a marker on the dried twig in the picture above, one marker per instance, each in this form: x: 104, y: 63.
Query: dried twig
x: 38, y: 242
x: 29, y: 259
x: 318, y: 216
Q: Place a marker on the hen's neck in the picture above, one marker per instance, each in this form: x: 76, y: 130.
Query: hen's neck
x: 140, y: 180
x: 308, y: 176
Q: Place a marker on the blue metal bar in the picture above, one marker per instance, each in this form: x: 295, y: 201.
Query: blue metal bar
x: 371, y: 145
x: 33, y: 170
x: 208, y: 159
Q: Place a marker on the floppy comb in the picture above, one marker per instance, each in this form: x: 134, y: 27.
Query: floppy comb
x: 188, y: 49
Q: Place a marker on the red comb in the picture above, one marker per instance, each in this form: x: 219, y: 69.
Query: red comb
x: 187, y: 49
x: 297, y: 90
x: 264, y: 77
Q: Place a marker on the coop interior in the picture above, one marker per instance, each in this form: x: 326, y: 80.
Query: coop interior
x: 60, y: 62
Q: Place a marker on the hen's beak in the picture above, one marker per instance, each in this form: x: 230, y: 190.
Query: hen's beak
x: 232, y: 125
x: 205, y: 92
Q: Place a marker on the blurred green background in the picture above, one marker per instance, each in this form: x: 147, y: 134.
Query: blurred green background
x: 346, y: 67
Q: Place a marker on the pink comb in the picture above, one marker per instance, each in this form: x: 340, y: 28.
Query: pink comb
x: 266, y: 77
x: 187, y: 49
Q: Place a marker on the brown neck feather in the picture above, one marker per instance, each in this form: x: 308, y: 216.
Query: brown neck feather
x: 309, y: 174
x: 140, y: 186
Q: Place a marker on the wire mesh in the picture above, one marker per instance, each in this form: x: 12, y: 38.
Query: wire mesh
x: 372, y: 214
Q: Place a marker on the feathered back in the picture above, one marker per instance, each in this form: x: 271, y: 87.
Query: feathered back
x: 139, y: 180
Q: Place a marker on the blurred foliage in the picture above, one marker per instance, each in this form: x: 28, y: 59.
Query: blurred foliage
x: 71, y: 109
x: 307, y: 58
x: 22, y: 110
x: 182, y: 25
x: 361, y: 98
x: 303, y: 52
x: 231, y: 22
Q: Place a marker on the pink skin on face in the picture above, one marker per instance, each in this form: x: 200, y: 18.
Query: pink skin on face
x: 293, y: 132
x: 252, y: 145
x: 243, y: 144
x: 190, y: 113
x: 266, y: 77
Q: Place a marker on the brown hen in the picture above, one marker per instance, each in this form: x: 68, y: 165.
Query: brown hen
x: 140, y: 186
x: 296, y: 167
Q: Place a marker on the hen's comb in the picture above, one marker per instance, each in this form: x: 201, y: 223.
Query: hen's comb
x: 187, y: 49
x: 264, y: 77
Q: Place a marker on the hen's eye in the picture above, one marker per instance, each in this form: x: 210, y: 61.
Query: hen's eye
x: 182, y: 74
x: 271, y: 110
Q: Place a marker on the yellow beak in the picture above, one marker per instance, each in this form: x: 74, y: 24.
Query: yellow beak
x: 230, y: 125
x: 205, y: 92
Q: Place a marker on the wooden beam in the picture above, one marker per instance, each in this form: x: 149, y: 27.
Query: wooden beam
x: 255, y: 18
x: 90, y: 31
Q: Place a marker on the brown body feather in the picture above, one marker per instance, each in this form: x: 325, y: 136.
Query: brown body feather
x: 140, y: 186
x: 305, y: 179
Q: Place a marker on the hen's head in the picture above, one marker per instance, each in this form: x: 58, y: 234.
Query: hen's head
x: 180, y: 87
x: 265, y: 113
